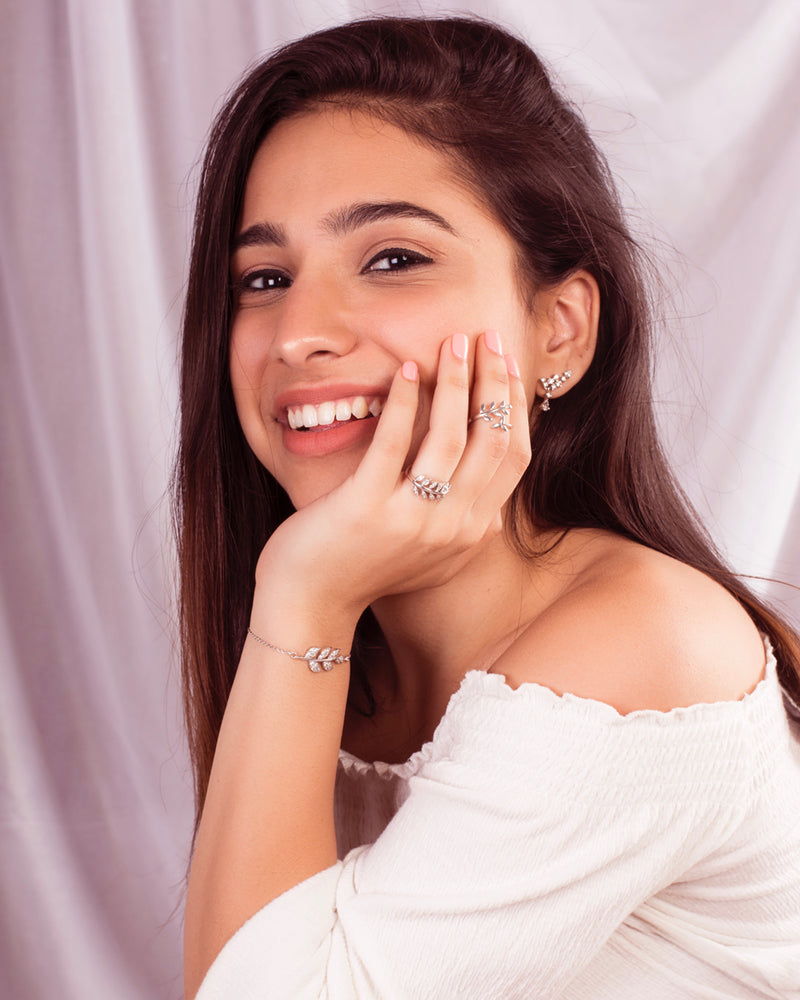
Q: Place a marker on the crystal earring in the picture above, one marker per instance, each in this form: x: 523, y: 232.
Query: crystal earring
x: 551, y: 384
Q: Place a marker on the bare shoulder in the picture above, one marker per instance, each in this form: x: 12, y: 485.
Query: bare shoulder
x: 639, y: 630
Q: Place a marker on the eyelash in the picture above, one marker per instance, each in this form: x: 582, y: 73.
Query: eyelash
x: 245, y: 283
x: 398, y: 258
x: 405, y: 258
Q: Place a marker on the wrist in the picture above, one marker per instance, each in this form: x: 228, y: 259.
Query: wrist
x: 317, y: 658
x: 292, y: 627
x: 279, y: 602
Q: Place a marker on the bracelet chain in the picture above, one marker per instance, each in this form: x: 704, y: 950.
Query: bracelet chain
x: 317, y: 657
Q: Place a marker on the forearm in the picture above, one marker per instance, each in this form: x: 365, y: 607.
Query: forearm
x: 267, y: 821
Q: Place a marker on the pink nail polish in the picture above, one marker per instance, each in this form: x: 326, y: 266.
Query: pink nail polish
x: 492, y: 340
x: 459, y: 346
x: 512, y: 366
x: 410, y: 371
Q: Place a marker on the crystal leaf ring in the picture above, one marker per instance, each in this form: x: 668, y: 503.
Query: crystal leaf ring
x: 494, y: 414
x: 428, y: 489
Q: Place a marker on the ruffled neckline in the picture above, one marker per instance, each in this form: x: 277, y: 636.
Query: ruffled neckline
x: 481, y: 684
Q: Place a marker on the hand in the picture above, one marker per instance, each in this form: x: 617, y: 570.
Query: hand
x: 371, y: 536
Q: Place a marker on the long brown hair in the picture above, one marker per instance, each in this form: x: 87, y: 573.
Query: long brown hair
x: 482, y: 97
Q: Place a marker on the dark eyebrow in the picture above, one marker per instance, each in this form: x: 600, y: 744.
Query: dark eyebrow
x: 344, y: 220
x: 260, y: 234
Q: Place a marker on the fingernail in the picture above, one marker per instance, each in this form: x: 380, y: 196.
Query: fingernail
x: 512, y: 366
x: 410, y: 371
x: 460, y: 345
x: 492, y: 340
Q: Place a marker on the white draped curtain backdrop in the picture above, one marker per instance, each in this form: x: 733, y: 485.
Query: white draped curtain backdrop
x: 105, y: 105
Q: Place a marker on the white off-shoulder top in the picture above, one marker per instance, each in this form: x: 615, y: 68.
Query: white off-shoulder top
x: 547, y: 847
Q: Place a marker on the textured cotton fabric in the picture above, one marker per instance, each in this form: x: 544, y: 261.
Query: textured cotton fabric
x: 545, y: 846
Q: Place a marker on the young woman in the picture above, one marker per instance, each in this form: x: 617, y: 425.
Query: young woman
x: 487, y: 714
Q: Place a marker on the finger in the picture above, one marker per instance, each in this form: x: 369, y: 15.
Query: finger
x: 443, y: 445
x: 493, y: 418
x: 499, y: 486
x: 385, y: 459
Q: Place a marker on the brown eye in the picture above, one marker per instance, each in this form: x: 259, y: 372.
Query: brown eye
x: 396, y: 259
x: 264, y: 281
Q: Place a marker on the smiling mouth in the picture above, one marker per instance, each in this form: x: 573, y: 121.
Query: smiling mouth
x: 333, y: 413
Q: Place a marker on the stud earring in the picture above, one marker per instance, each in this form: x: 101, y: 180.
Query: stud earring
x: 552, y: 383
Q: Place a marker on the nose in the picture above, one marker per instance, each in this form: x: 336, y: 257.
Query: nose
x: 313, y: 327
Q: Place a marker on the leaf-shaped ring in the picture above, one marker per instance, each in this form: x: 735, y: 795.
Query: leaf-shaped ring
x: 427, y: 488
x: 494, y: 414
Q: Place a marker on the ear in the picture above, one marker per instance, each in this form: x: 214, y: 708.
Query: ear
x: 567, y: 315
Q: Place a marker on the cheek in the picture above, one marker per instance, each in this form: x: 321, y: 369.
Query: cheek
x: 249, y: 351
x: 413, y: 324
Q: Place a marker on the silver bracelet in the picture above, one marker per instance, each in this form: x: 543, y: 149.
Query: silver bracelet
x: 318, y: 657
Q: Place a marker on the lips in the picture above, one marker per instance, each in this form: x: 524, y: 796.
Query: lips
x: 322, y: 419
x: 310, y: 415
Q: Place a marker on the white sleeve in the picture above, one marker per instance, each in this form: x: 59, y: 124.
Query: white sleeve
x: 533, y: 828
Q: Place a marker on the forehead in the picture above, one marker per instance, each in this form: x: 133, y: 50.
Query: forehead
x: 332, y: 155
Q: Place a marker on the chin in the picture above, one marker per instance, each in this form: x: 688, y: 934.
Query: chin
x: 317, y: 483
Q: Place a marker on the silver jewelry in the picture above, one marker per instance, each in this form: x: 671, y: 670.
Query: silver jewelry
x: 495, y: 411
x: 429, y: 489
x: 318, y: 657
x: 551, y: 384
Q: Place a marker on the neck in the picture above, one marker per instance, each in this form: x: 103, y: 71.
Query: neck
x: 435, y: 636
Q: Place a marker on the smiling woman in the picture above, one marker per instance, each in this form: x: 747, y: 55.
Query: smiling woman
x: 345, y: 267
x: 541, y: 749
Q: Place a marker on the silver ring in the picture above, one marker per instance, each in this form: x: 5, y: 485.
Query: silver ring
x: 494, y: 414
x: 428, y: 489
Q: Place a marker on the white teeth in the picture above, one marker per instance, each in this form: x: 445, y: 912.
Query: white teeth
x: 324, y: 414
